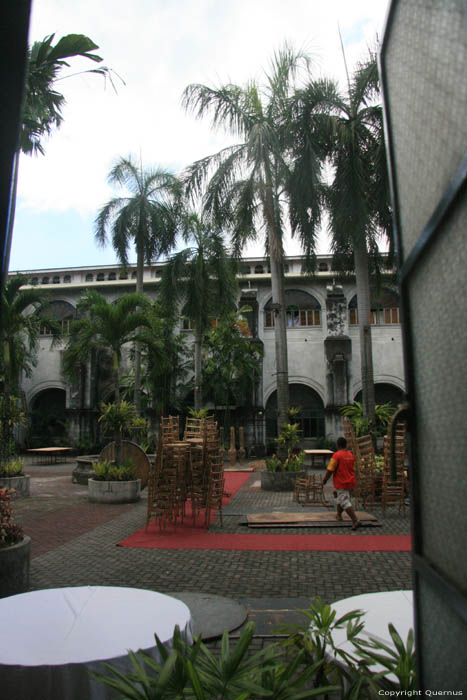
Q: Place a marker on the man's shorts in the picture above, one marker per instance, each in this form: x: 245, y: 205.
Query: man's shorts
x: 343, y: 499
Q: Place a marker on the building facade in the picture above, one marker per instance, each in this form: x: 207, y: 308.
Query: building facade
x: 322, y: 337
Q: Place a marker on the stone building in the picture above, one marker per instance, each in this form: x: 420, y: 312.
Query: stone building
x: 322, y: 335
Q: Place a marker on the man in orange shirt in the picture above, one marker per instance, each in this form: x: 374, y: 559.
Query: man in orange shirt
x: 341, y: 466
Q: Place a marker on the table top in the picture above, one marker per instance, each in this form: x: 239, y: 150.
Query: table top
x: 50, y: 449
x: 381, y: 609
x: 76, y: 625
x: 318, y: 452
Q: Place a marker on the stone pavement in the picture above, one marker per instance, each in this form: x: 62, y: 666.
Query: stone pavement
x: 74, y: 544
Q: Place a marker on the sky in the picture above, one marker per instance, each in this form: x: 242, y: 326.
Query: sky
x: 157, y: 48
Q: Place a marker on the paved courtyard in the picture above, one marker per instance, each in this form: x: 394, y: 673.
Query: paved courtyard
x: 74, y: 543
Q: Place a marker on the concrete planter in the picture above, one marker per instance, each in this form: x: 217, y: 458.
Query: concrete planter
x: 84, y: 469
x: 114, y: 491
x: 14, y: 568
x: 19, y: 483
x: 280, y: 481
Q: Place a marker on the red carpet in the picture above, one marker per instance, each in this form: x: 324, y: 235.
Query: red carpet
x: 187, y: 536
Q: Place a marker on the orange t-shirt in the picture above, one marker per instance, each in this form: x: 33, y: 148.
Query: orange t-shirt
x: 342, y: 468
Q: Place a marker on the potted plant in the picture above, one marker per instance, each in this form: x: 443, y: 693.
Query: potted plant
x: 114, y: 480
x: 12, y: 477
x: 15, y: 548
x: 114, y: 483
x: 283, y: 468
x: 11, y: 466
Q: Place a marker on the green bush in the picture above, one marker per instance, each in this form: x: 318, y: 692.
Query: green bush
x: 306, y: 665
x: 106, y: 471
x: 12, y: 468
x: 383, y: 413
x: 293, y: 463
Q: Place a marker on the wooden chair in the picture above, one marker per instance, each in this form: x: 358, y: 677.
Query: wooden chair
x: 394, y: 492
x: 311, y: 488
x: 365, y: 471
x: 170, y: 429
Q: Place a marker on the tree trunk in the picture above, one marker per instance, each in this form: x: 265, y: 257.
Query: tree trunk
x: 280, y: 337
x: 276, y: 255
x: 139, y: 288
x: 364, y: 323
x: 198, y: 397
x: 117, y: 433
x: 11, y: 213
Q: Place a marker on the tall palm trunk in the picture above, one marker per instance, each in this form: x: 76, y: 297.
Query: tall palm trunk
x: 364, y: 323
x: 6, y: 431
x: 280, y: 312
x: 139, y: 288
x: 198, y: 394
x: 118, y: 432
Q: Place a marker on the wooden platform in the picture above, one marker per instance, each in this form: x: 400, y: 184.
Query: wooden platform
x: 322, y: 519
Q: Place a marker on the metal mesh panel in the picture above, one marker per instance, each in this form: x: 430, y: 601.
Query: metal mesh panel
x: 446, y: 671
x: 427, y: 89
x: 437, y: 291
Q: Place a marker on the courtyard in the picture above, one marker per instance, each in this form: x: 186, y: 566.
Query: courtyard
x: 74, y: 543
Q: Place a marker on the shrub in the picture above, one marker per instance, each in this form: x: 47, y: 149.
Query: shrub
x: 316, y: 667
x: 383, y: 414
x: 293, y: 463
x: 12, y: 468
x: 10, y: 532
x: 107, y: 471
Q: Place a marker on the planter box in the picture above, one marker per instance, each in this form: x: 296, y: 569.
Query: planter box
x: 280, y: 481
x: 14, y: 568
x: 19, y: 483
x: 114, y: 491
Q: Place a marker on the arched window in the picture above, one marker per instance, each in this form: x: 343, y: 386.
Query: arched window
x: 259, y: 269
x: 61, y: 311
x: 67, y: 279
x: 34, y: 281
x: 112, y: 276
x: 384, y: 309
x: 100, y: 277
x: 45, y: 280
x: 56, y: 280
x: 303, y: 310
x: 89, y: 277
x: 323, y: 267
x: 133, y: 275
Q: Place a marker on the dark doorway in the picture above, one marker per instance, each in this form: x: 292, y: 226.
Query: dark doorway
x: 48, y: 422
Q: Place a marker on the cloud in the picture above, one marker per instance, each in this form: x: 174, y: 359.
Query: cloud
x: 158, y: 47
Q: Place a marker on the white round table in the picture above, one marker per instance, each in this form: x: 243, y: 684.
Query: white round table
x: 51, y: 639
x: 380, y: 609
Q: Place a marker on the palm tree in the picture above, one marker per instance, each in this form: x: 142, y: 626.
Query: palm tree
x: 358, y: 199
x: 202, y: 277
x: 20, y: 328
x: 19, y: 336
x: 105, y: 326
x: 43, y: 104
x: 42, y: 111
x: 146, y: 218
x: 247, y: 183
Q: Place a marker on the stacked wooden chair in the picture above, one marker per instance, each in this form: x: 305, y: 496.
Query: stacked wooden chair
x: 365, y: 471
x: 394, y: 491
x: 214, y: 461
x: 168, y: 484
x: 189, y: 469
